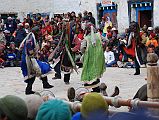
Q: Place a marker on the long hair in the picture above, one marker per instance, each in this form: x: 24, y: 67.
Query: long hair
x: 134, y: 27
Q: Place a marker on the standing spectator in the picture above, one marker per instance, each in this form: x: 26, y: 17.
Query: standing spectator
x: 10, y: 25
x: 85, y: 16
x: 27, y: 28
x: 9, y: 37
x: 150, y: 30
x: 29, y: 20
x: 1, y: 23
x: 20, y: 34
x: 2, y: 36
x: 91, y: 18
x: 102, y: 23
x: 2, y: 55
x: 107, y: 24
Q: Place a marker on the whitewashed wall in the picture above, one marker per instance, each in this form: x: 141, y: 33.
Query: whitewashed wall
x: 122, y: 15
x: 156, y: 13
x: 22, y: 7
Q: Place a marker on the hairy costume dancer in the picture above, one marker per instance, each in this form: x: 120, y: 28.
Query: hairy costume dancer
x: 32, y: 68
x: 94, y: 62
x: 67, y: 60
x: 133, y: 47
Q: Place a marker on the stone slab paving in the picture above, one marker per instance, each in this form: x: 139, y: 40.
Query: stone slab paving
x: 12, y: 82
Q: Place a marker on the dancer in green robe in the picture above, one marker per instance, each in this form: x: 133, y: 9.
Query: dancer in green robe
x: 93, y: 60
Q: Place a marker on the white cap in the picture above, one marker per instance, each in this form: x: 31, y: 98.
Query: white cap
x: 114, y: 29
x: 6, y: 31
x: 150, y: 28
x: 20, y: 24
x: 26, y: 24
x: 9, y: 18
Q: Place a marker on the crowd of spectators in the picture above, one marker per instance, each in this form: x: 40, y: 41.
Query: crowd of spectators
x: 13, y: 31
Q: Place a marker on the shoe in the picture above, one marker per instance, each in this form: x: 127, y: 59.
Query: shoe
x: 94, y: 84
x: 137, y: 71
x: 46, y: 85
x: 29, y: 92
x: 55, y: 78
x: 116, y: 92
x: 71, y: 94
x: 96, y: 89
x: 28, y: 89
x: 67, y: 83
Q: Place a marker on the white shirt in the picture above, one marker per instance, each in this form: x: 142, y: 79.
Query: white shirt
x: 109, y: 57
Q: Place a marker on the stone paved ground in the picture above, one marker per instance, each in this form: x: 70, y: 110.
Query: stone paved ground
x: 11, y: 82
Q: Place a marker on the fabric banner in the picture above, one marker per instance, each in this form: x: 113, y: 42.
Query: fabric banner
x: 106, y: 3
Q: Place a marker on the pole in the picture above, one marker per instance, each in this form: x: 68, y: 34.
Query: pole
x: 153, y: 81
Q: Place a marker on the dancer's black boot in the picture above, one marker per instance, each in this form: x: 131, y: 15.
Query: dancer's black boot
x: 96, y: 89
x: 46, y: 85
x: 137, y: 71
x: 28, y: 89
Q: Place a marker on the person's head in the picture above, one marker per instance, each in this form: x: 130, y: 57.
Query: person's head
x: 24, y: 20
x: 73, y: 14
x: 80, y: 15
x: 28, y: 16
x: 85, y: 13
x: 20, y: 26
x: 54, y: 110
x: 9, y: 18
x: 107, y: 19
x: 134, y: 27
x: 109, y: 48
x: 109, y: 28
x: 152, y: 35
x: 39, y: 16
x: 144, y: 28
x: 33, y: 103
x: 13, y: 108
x: 91, y: 103
x: 150, y: 48
x: 90, y: 14
x: 145, y: 34
x: 157, y: 29
x: 12, y: 45
x: 26, y: 25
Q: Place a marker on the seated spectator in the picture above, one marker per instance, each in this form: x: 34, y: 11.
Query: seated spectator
x: 109, y: 57
x: 152, y: 40
x: 92, y: 103
x: 54, y: 110
x: 13, y: 108
x: 2, y: 55
x: 2, y: 37
x: 12, y: 56
x: 33, y: 103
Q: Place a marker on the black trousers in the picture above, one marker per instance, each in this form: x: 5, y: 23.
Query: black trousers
x: 57, y: 70
x: 66, y: 78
